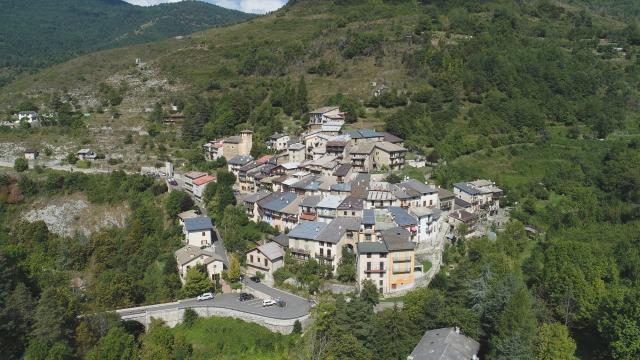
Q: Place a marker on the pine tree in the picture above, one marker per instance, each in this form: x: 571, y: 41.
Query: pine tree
x: 302, y: 101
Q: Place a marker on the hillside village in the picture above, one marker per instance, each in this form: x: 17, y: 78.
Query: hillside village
x: 327, y: 193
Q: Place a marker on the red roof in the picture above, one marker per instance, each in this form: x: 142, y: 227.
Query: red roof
x: 263, y: 159
x: 204, y: 180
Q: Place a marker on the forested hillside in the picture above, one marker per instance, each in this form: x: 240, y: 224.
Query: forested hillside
x: 39, y: 33
x: 540, y: 96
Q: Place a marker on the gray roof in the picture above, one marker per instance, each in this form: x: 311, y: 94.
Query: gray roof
x: 330, y: 202
x: 351, y: 203
x: 336, y: 229
x: 371, y: 247
x: 461, y: 204
x: 282, y: 239
x: 401, y: 217
x: 343, y: 170
x: 369, y: 217
x: 425, y: 211
x: 419, y: 187
x: 308, y: 230
x: 444, y: 344
x: 296, y: 146
x: 397, y: 238
x: 364, y: 134
x: 392, y: 138
x: 271, y: 250
x: 344, y: 187
x: 360, y: 185
x: 189, y: 253
x: 445, y: 194
x: 468, y: 188
x: 252, y: 198
x: 240, y: 160
x: 198, y: 223
x: 310, y: 200
x: 278, y: 201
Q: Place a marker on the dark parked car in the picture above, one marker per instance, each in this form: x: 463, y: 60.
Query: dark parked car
x: 255, y: 279
x: 245, y: 297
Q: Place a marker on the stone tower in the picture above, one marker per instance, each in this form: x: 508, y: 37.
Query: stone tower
x: 246, y: 142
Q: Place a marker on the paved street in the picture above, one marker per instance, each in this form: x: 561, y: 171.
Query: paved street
x: 295, y: 306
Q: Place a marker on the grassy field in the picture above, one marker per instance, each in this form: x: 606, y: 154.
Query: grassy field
x: 227, y: 338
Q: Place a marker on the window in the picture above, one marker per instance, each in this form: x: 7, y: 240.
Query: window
x: 368, y: 255
x: 381, y: 265
x: 345, y: 213
x: 368, y: 265
x: 380, y: 290
x: 266, y: 262
x: 328, y: 252
x: 369, y: 275
x: 380, y: 282
x: 367, y: 237
x: 321, y: 243
x: 383, y: 255
x: 203, y: 233
x: 321, y: 252
x: 251, y: 258
x: 353, y: 213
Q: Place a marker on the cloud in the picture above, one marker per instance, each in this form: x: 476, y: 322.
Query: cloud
x: 248, y: 6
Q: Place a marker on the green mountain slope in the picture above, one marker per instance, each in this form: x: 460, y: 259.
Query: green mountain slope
x: 38, y: 33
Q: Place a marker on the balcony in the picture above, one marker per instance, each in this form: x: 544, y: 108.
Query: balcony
x: 375, y: 271
x: 402, y: 259
x: 300, y: 251
x: 325, y: 257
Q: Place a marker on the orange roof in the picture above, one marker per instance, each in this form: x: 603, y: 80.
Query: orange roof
x: 204, y: 180
x: 263, y: 159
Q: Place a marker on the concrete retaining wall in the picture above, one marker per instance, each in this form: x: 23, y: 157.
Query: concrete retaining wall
x: 174, y: 316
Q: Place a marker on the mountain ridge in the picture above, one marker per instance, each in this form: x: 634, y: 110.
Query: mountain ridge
x: 40, y: 33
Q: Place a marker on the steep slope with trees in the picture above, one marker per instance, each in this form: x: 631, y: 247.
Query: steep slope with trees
x: 40, y: 33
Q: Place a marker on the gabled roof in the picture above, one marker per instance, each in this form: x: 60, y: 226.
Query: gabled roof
x: 392, y: 138
x: 389, y: 147
x: 445, y: 194
x: 308, y: 230
x: 310, y: 200
x: 252, y: 198
x: 187, y: 215
x: 204, y: 180
x: 351, y: 203
x: 271, y: 250
x: 342, y: 170
x: 279, y: 201
x: 418, y: 186
x: 296, y: 146
x: 445, y: 344
x: 368, y: 217
x: 401, y: 217
x: 345, y: 187
x: 282, y: 240
x: 338, y: 227
x: 330, y: 202
x: 363, y: 148
x: 463, y: 215
x: 277, y: 136
x: 364, y: 134
x: 397, y: 239
x: 189, y: 253
x: 371, y: 247
x: 240, y: 160
x: 198, y: 223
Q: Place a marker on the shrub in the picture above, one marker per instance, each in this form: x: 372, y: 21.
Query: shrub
x: 21, y: 164
x: 189, y: 318
x: 297, y: 327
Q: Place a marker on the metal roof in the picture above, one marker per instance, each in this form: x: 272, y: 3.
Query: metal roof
x: 364, y: 134
x: 368, y: 217
x: 401, y: 217
x: 345, y: 187
x: 330, y: 202
x: 308, y: 230
x: 198, y: 223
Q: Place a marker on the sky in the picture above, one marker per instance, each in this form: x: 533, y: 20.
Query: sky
x: 248, y: 6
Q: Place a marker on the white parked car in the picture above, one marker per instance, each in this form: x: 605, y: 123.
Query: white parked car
x: 205, y: 296
x: 268, y: 302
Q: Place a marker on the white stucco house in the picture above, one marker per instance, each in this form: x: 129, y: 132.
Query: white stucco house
x: 198, y: 231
